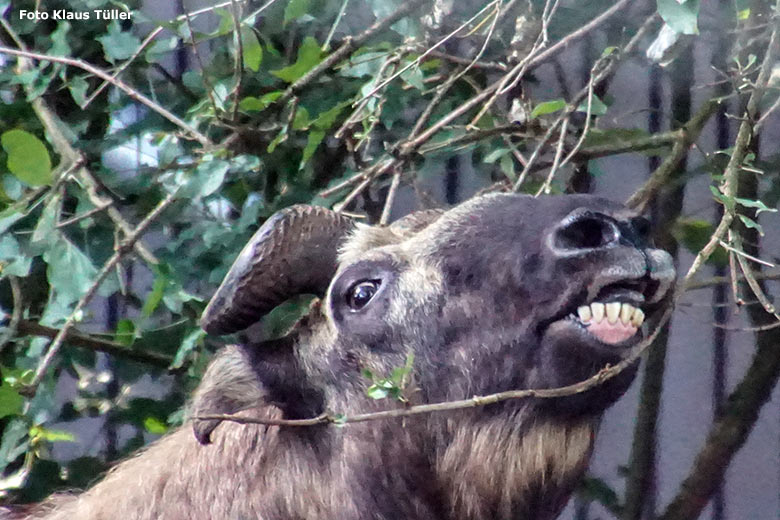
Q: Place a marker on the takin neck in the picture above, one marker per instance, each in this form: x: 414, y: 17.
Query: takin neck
x: 500, y: 469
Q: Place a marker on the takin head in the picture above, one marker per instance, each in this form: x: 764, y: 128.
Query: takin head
x: 502, y: 292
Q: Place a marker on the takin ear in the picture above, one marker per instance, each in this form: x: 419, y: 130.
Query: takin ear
x: 229, y: 385
x: 266, y: 378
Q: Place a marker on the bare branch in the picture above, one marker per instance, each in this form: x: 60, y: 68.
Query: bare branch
x: 16, y: 312
x: 599, y: 378
x: 79, y: 339
x: 685, y: 137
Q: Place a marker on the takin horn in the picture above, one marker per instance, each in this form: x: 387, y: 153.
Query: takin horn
x: 294, y: 252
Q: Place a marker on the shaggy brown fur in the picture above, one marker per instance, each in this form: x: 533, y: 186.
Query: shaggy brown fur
x: 485, y: 296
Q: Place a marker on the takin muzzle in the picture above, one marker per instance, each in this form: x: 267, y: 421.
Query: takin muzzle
x: 502, y: 292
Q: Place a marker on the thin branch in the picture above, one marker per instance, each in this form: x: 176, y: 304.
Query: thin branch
x: 388, y: 208
x: 131, y: 92
x: 476, y: 64
x: 424, y: 55
x: 350, y: 44
x: 600, y: 72
x: 145, y: 43
x: 750, y: 277
x: 741, y: 253
x: 239, y: 62
x: 125, y: 247
x: 744, y: 136
x: 545, y: 188
x: 719, y: 280
x: 599, y: 378
x: 16, y: 312
x: 683, y: 139
x: 79, y: 339
x: 326, y: 43
x: 78, y: 218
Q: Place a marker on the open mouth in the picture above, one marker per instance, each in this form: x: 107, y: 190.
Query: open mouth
x: 612, y: 322
x: 616, y: 314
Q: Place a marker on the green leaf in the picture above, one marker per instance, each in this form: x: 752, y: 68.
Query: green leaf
x: 155, y: 426
x: 507, y: 166
x: 750, y: 223
x: 309, y: 55
x: 9, y: 216
x: 495, y: 155
x: 597, y: 106
x: 10, y: 401
x: 253, y: 51
x: 125, y: 332
x: 253, y: 104
x: 78, y: 88
x: 59, y: 40
x: 210, y: 176
x: 14, y: 441
x: 70, y: 272
x: 118, y: 44
x: 39, y: 432
x: 45, y: 232
x: 376, y: 392
x: 548, y: 107
x: 295, y: 9
x: 160, y: 47
x: 680, y: 16
x: 279, y: 139
x: 720, y: 197
x: 694, y: 235
x: 314, y: 140
x: 156, y: 294
x: 749, y: 203
x: 28, y: 158
x: 12, y: 261
x: 301, y: 119
x: 414, y: 77
x: 326, y: 119
x: 188, y: 345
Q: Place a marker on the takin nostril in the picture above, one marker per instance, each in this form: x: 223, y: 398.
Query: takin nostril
x: 586, y: 232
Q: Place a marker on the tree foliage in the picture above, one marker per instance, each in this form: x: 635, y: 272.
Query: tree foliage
x: 140, y: 154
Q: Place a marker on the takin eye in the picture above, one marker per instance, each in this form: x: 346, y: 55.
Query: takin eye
x: 361, y: 293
